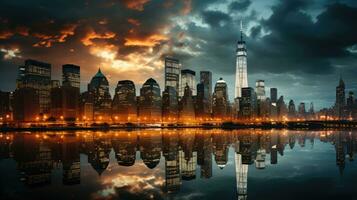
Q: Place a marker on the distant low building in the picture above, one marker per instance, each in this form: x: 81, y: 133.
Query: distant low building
x: 26, y: 104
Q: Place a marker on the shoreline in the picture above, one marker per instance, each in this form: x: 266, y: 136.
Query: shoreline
x: 296, y: 125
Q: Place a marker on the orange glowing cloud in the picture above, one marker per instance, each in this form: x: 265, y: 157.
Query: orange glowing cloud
x: 21, y: 30
x: 135, y: 4
x: 186, y: 7
x: 46, y: 40
x: 150, y: 41
x: 134, y: 22
x: 91, y: 35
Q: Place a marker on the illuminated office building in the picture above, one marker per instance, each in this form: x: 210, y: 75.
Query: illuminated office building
x: 187, y: 110
x: 71, y: 75
x: 188, y: 78
x: 241, y: 76
x: 99, y: 88
x: 172, y: 73
x: 124, y: 106
x: 150, y: 102
x: 220, y: 101
x: 170, y: 106
x: 37, y: 75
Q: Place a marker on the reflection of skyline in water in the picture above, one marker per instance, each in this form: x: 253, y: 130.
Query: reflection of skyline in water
x: 184, y: 155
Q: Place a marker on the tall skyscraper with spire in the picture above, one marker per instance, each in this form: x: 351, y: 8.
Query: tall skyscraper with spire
x: 241, y: 65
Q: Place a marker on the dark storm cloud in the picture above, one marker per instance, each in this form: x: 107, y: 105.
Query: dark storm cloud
x: 300, y: 44
x: 304, y: 39
x: 216, y: 18
x: 240, y: 6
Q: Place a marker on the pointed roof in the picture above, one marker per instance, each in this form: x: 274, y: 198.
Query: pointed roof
x: 99, y: 73
x: 341, y: 81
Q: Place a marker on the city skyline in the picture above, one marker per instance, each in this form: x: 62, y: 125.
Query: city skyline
x: 290, y: 59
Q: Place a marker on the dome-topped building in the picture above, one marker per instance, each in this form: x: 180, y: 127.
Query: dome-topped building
x: 99, y: 88
x: 150, y: 102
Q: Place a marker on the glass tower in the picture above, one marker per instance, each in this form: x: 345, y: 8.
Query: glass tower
x: 172, y: 73
x: 241, y: 66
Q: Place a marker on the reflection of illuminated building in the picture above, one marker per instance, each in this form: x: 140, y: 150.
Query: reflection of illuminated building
x: 34, y: 159
x: 187, y: 157
x: 150, y: 148
x: 260, y: 159
x: 172, y: 165
x: 98, y: 156
x: 188, y: 165
x: 220, y: 150
x: 241, y: 177
x: 204, y: 154
x: 125, y: 148
x: 340, y: 151
x: 70, y: 160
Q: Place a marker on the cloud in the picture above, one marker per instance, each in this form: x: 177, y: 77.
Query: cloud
x: 87, y: 40
x: 135, y: 4
x: 10, y: 53
x: 240, y: 5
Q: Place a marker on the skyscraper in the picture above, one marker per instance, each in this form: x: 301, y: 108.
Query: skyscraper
x: 187, y: 110
x: 220, y: 102
x: 260, y: 89
x: 247, y: 103
x: 241, y: 65
x: 340, y: 99
x: 71, y: 75
x: 150, y: 102
x: 37, y: 75
x: 172, y: 73
x: 291, y: 109
x: 273, y: 106
x: 64, y: 102
x: 124, y: 103
x: 204, y: 95
x: 99, y: 88
x: 273, y: 95
x: 188, y: 78
x: 169, y: 104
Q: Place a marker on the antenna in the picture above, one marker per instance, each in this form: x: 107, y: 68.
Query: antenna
x: 241, y: 30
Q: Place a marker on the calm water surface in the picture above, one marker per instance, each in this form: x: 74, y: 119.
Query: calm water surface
x: 179, y: 164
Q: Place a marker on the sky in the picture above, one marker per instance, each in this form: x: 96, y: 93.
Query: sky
x: 302, y: 47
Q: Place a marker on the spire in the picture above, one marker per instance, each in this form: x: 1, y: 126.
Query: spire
x: 241, y: 30
x: 342, y: 83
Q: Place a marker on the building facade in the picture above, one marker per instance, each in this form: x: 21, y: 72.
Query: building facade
x: 124, y: 106
x: 172, y: 73
x: 188, y: 77
x: 241, y: 76
x: 37, y: 75
x: 99, y: 89
x: 150, y: 102
x: 220, y: 101
x: 71, y: 75
x: 170, y: 105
